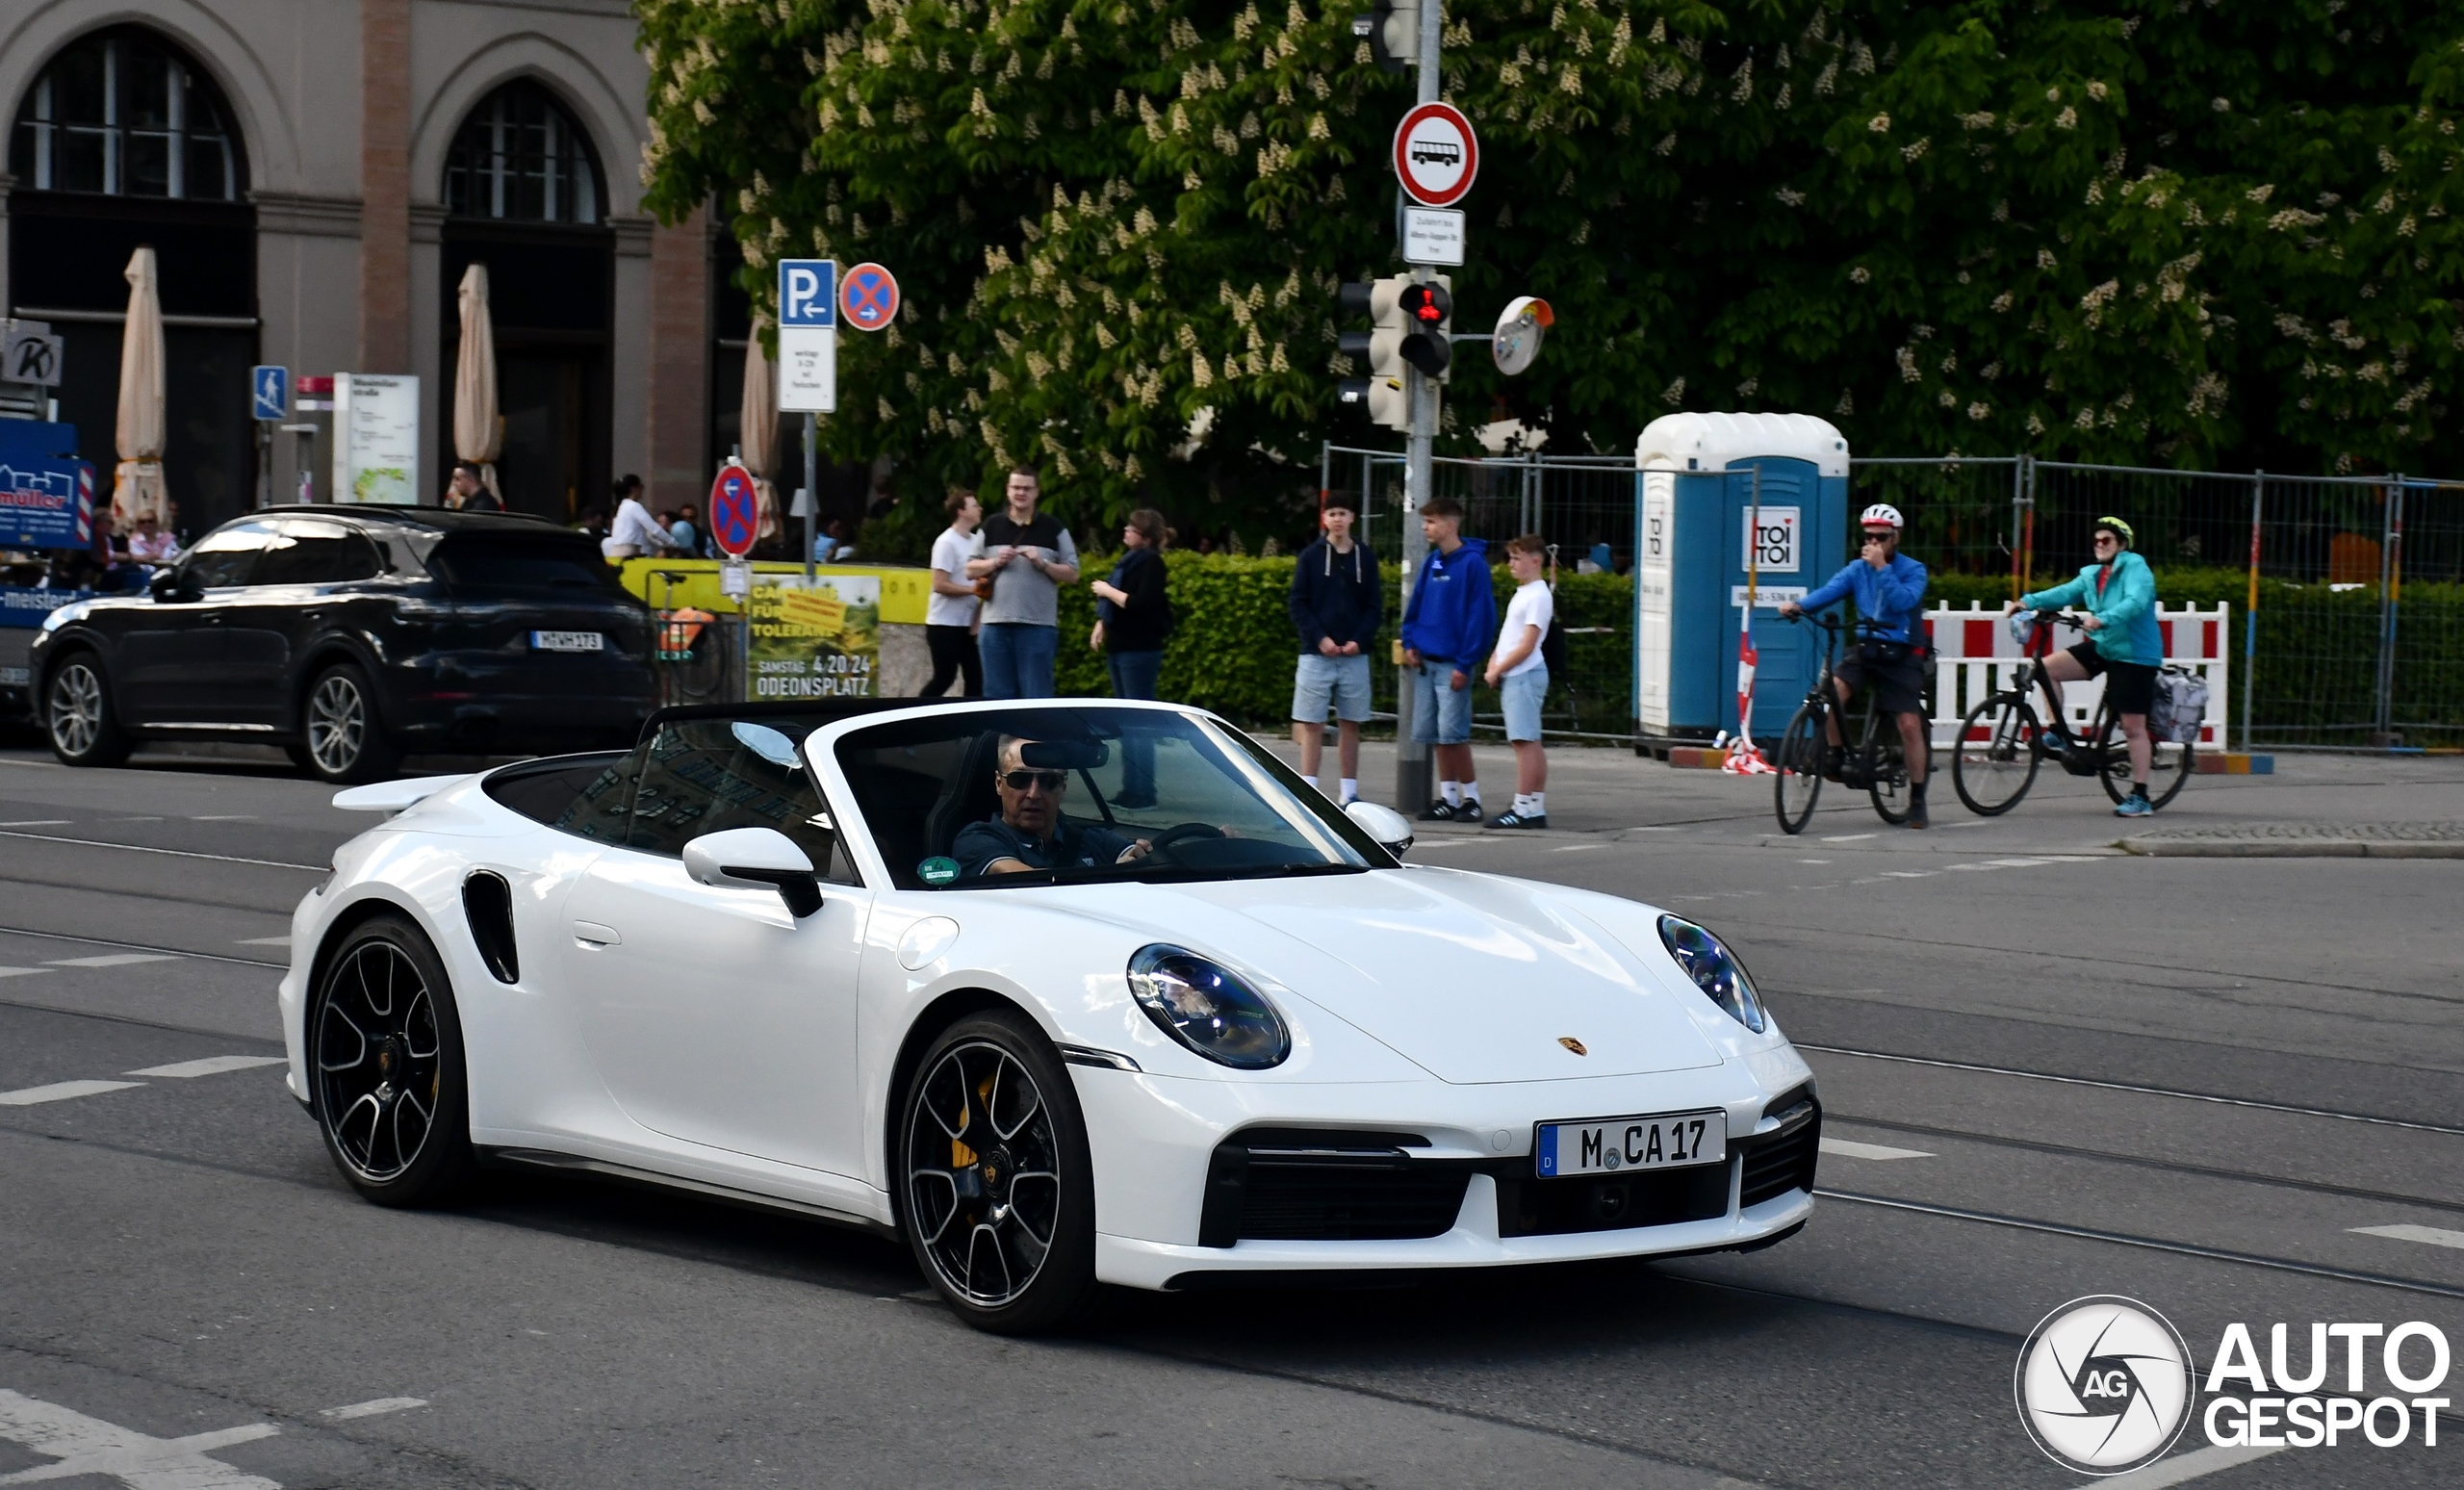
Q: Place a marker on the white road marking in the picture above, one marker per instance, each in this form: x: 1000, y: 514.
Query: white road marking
x: 210, y: 1066
x: 1847, y: 1148
x: 1813, y: 861
x: 374, y: 1408
x: 81, y: 1445
x: 2433, y: 1235
x: 62, y: 1092
x: 1910, y: 874
x: 2018, y: 863
x: 1848, y: 838
x: 148, y: 848
x: 2185, y: 1467
x: 263, y: 941
x: 132, y: 819
x: 226, y: 817
x: 20, y: 972
x: 1576, y: 848
x: 113, y: 960
x: 39, y: 822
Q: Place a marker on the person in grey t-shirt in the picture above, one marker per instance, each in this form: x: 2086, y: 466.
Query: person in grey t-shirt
x: 1028, y: 556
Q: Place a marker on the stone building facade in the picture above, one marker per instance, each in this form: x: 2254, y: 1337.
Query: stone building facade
x: 315, y: 176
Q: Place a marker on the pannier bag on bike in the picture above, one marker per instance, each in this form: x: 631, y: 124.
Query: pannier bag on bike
x: 2179, y: 708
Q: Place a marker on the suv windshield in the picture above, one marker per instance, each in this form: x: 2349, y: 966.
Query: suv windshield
x: 993, y: 798
x: 549, y: 562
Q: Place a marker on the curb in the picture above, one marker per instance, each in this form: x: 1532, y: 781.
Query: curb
x: 1692, y: 758
x: 2235, y: 763
x: 2287, y: 848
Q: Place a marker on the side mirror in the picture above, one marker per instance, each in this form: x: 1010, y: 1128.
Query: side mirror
x: 1392, y: 829
x: 756, y: 859
x: 169, y: 587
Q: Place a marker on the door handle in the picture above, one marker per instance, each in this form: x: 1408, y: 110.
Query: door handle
x: 592, y: 934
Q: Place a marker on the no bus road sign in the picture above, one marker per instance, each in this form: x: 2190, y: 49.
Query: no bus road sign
x: 868, y: 297
x: 735, y: 511
x: 1436, y: 154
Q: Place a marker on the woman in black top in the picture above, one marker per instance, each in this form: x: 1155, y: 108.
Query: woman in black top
x: 1132, y: 618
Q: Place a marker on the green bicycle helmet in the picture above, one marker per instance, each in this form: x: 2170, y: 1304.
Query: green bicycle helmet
x: 2121, y: 529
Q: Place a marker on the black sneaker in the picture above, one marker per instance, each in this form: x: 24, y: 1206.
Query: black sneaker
x: 1512, y: 819
x: 1917, y: 817
x: 1833, y: 757
x: 1437, y: 812
x: 1468, y: 811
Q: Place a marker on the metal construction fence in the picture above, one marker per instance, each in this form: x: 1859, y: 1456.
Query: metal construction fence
x: 2347, y: 591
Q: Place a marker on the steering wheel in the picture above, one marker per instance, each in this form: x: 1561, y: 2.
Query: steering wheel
x: 1180, y: 833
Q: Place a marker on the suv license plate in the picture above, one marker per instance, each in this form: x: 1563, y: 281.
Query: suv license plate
x: 1611, y: 1146
x: 568, y: 641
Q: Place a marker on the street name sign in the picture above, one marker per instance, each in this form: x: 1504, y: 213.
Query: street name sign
x: 1436, y: 154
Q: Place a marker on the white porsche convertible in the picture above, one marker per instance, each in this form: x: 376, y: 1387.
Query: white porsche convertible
x: 1059, y: 991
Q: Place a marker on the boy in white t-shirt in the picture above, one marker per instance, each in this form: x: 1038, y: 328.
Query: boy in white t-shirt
x: 1521, y: 677
x: 951, y: 614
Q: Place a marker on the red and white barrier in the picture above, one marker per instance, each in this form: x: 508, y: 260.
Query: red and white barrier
x: 1975, y: 656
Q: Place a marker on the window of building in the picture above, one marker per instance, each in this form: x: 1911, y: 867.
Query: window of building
x: 519, y: 157
x: 121, y: 113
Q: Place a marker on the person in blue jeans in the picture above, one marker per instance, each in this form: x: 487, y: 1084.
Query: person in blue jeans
x: 1028, y: 556
x: 1132, y: 616
x: 2124, y: 645
x: 1447, y: 630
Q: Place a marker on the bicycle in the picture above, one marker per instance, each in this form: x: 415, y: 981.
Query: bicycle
x: 1874, y: 762
x: 2001, y: 742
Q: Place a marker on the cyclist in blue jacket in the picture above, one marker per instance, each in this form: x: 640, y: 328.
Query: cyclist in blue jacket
x: 1889, y: 590
x: 2123, y: 646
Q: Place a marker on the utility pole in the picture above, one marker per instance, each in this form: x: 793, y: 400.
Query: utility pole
x: 1414, y: 785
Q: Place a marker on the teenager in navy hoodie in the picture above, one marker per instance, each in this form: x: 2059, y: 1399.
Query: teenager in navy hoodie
x: 1336, y: 606
x: 1447, y: 626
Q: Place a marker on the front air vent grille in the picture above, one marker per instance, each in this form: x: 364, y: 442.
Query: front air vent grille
x: 1784, y: 1159
x: 487, y: 904
x: 1528, y: 1207
x: 1327, y: 1185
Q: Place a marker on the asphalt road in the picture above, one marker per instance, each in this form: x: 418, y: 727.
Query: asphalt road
x: 2050, y: 1070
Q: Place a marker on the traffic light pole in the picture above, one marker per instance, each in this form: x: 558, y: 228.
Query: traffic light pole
x: 1415, y: 786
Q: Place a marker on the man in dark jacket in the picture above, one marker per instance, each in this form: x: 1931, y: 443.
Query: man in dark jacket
x: 1448, y: 627
x: 1336, y: 606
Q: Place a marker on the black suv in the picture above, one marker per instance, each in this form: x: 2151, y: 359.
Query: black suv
x: 350, y: 635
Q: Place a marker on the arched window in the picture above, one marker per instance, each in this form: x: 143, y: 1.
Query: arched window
x: 521, y: 157
x: 120, y: 113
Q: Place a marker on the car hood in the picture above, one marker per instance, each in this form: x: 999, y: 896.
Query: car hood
x: 1471, y: 977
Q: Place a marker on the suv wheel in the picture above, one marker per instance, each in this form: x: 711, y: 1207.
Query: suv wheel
x: 78, y: 714
x: 346, y: 743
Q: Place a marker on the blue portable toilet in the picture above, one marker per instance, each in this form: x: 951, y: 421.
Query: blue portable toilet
x: 1701, y: 480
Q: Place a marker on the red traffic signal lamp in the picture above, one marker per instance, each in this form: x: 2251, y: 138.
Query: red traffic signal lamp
x: 1427, y: 311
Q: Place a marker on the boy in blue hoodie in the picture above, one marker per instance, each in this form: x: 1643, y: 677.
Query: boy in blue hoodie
x: 1446, y: 630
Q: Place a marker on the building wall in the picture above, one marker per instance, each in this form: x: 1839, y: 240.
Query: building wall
x: 293, y: 72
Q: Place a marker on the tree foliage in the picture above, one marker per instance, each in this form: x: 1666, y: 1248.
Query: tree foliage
x: 2155, y: 232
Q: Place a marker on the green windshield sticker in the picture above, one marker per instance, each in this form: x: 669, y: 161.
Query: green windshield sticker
x: 937, y: 870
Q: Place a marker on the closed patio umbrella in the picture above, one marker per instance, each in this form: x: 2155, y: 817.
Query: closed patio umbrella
x: 758, y: 426
x: 478, y: 434
x: 137, y: 486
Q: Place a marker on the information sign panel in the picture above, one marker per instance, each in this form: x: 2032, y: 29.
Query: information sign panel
x: 377, y: 438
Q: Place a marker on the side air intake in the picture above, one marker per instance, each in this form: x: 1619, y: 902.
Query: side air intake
x: 487, y: 904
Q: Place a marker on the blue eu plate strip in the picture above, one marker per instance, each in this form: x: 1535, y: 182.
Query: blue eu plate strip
x: 1546, y: 1151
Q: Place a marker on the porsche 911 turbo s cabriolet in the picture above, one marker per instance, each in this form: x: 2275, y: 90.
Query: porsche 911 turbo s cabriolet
x: 1060, y: 992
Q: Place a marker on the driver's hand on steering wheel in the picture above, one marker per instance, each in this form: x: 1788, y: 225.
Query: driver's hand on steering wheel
x: 1135, y: 851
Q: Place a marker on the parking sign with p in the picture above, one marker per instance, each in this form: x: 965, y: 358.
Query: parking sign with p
x: 808, y: 336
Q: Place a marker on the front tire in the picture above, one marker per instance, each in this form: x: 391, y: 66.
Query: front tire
x: 386, y: 1077
x: 1993, y: 761
x: 78, y: 715
x: 997, y: 1189
x: 1799, y: 784
x: 345, y: 741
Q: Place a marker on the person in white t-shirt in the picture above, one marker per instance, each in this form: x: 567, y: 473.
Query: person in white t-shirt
x: 953, y: 613
x: 636, y: 534
x: 1521, y: 676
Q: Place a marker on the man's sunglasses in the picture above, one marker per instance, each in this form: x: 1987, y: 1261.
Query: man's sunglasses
x: 1050, y: 780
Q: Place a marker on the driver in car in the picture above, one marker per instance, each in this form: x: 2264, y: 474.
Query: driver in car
x: 1030, y: 833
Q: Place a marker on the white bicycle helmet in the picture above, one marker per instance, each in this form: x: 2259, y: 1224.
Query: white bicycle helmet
x: 1880, y: 513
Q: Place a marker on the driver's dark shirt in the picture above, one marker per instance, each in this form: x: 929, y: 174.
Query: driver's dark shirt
x: 1073, y: 846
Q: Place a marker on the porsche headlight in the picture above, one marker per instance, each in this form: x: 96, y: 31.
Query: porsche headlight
x: 1714, y: 969
x: 1206, y: 1007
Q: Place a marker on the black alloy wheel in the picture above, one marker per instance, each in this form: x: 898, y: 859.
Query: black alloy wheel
x: 997, y: 1195
x: 1799, y: 761
x: 1993, y: 761
x: 78, y: 714
x: 2168, y: 768
x: 386, y: 1074
x: 346, y: 743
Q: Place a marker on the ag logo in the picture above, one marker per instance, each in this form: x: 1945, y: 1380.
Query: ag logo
x: 2104, y: 1385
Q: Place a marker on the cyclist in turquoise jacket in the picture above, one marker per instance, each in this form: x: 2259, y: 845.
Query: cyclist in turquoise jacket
x: 2123, y: 646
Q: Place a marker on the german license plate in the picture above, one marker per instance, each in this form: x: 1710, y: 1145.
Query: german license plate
x: 568, y: 641
x: 1612, y: 1145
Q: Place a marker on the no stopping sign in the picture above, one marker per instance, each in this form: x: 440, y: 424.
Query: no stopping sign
x: 1436, y: 154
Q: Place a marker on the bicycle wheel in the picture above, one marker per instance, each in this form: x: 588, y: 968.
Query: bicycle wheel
x: 2168, y: 767
x: 1799, y: 760
x: 1993, y: 761
x: 1886, y: 772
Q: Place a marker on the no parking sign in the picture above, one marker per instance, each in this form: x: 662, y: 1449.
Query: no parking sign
x: 868, y: 297
x: 735, y: 511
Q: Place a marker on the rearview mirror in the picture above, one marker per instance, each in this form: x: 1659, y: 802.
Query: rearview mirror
x: 1392, y: 829
x: 756, y: 859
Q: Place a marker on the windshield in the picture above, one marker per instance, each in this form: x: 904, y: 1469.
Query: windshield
x: 986, y: 799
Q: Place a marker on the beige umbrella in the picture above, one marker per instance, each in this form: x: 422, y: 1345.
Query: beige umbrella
x: 136, y: 487
x: 758, y: 426
x: 478, y: 434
